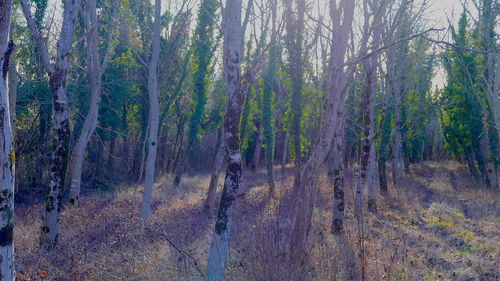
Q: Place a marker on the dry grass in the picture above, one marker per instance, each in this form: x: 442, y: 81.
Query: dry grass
x: 437, y: 226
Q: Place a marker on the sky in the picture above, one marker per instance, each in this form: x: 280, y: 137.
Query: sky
x: 443, y: 11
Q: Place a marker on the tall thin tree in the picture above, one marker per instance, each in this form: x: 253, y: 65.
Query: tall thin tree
x: 7, y: 156
x: 57, y: 81
x: 232, y: 71
x: 154, y: 117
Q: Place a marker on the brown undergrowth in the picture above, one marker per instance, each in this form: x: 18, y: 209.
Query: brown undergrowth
x: 439, y: 225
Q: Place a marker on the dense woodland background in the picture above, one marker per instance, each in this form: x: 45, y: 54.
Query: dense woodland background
x: 366, y: 131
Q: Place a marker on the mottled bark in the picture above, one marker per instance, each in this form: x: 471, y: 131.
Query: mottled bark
x: 61, y: 136
x: 336, y: 176
x: 232, y: 64
x: 154, y: 115
x: 7, y: 153
x: 12, y: 87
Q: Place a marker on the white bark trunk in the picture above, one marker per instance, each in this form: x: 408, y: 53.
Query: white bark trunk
x: 57, y: 82
x: 149, y: 173
x: 7, y: 167
x: 94, y: 72
x: 232, y: 64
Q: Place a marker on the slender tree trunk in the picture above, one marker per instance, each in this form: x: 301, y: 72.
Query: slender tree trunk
x: 224, y: 221
x: 338, y: 78
x: 214, y: 179
x: 336, y: 176
x: 284, y: 156
x: 370, y: 107
x: 258, y: 148
x: 94, y: 72
x: 7, y: 152
x: 365, y: 149
x: 294, y: 44
x: 153, y: 116
x: 470, y: 163
x: 489, y: 166
x: 397, y: 154
x: 12, y: 87
x: 384, y: 149
x: 57, y: 83
x: 268, y: 116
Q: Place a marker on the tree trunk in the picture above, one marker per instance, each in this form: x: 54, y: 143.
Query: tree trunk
x: 383, y: 149
x: 57, y: 83
x: 489, y: 166
x: 149, y: 172
x: 336, y: 176
x: 268, y: 116
x: 12, y: 88
x: 338, y: 78
x: 294, y: 44
x: 224, y: 221
x: 471, y: 164
x: 371, y: 70
x: 7, y: 153
x: 94, y: 72
x: 284, y: 156
x: 398, y: 163
x: 214, y: 179
x: 258, y: 148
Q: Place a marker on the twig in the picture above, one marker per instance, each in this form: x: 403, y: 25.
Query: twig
x: 195, y: 263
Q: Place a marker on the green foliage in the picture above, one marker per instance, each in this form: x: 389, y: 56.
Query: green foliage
x: 460, y: 105
x: 202, y: 53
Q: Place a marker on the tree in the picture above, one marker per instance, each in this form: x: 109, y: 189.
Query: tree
x: 294, y: 44
x: 153, y: 123
x: 232, y: 63
x: 57, y: 73
x: 7, y: 154
x: 338, y: 78
x: 267, y: 101
x: 203, y: 50
x: 95, y: 71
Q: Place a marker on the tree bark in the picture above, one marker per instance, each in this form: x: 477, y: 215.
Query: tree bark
x: 7, y: 152
x: 94, y: 71
x: 149, y: 173
x: 57, y: 83
x: 284, y: 156
x: 397, y: 154
x: 338, y: 78
x: 214, y: 179
x: 258, y: 148
x: 12, y: 87
x: 232, y: 63
x: 336, y: 176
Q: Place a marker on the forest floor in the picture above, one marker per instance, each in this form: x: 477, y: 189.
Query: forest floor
x: 438, y: 225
